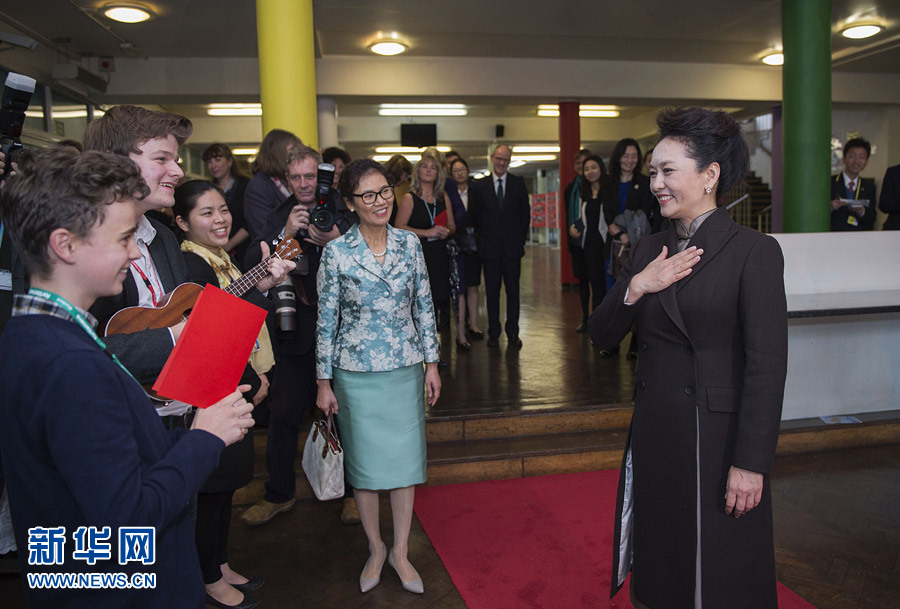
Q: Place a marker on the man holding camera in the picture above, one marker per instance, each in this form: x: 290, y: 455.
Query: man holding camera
x: 314, y: 214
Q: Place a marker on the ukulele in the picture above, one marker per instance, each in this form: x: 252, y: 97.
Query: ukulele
x: 174, y: 307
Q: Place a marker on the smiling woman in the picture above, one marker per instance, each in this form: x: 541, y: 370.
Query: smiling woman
x: 707, y: 299
x: 375, y: 329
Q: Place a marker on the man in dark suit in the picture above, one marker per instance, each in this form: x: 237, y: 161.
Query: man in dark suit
x: 502, y: 214
x: 890, y: 198
x: 848, y: 186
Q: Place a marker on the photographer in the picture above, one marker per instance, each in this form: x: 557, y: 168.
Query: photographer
x: 314, y: 214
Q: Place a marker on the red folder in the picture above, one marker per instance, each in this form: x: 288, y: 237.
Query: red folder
x: 212, y: 351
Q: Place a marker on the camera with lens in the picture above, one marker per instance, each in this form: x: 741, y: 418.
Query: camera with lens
x: 17, y: 94
x: 321, y: 216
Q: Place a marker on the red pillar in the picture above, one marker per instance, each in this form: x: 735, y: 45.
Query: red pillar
x: 569, y: 144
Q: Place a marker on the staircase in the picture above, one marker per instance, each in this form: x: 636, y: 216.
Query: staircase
x: 542, y: 442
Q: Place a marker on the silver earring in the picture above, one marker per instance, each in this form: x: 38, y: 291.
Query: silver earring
x: 707, y: 190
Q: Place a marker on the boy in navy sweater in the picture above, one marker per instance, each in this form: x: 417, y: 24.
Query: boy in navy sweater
x: 97, y: 486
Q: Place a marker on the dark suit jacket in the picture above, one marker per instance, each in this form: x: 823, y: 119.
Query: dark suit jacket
x: 144, y: 353
x: 712, y: 361
x: 83, y: 446
x: 840, y: 215
x: 890, y: 198
x: 503, y: 232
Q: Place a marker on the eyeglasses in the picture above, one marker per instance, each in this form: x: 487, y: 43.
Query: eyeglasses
x: 460, y: 171
x: 369, y: 197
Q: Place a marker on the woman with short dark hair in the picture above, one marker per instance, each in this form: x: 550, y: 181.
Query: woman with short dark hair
x: 375, y: 330
x: 694, y: 517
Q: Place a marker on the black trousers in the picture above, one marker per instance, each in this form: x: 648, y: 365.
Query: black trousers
x: 506, y: 270
x: 211, y: 533
x: 291, y: 396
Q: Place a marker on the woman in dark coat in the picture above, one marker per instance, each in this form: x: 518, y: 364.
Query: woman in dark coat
x: 694, y: 518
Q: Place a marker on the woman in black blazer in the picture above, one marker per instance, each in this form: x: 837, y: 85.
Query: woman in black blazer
x: 707, y: 297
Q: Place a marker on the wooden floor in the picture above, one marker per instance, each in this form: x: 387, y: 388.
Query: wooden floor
x: 837, y: 531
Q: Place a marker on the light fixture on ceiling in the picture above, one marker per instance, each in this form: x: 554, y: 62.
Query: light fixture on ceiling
x: 422, y: 110
x: 861, y: 30
x: 774, y: 58
x: 406, y: 149
x: 388, y: 44
x: 534, y: 149
x: 532, y: 158
x: 244, y: 151
x: 586, y: 111
x: 234, y: 109
x: 127, y: 12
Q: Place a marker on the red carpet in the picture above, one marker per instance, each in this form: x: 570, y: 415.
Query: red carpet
x: 532, y: 543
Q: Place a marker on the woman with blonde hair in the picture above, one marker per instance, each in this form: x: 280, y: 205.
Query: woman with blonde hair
x: 425, y: 211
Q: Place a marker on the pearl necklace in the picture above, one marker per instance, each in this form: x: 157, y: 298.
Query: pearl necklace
x: 379, y: 255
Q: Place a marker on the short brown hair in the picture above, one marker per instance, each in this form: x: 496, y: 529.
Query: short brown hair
x: 62, y: 188
x: 123, y: 128
x: 298, y: 153
x: 273, y: 152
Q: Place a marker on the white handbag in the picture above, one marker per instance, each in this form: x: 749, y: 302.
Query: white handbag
x: 323, y: 460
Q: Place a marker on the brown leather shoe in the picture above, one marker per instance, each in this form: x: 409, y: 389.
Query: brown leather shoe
x: 263, y: 511
x: 350, y: 511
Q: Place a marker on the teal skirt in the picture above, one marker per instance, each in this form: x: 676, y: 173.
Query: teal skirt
x: 382, y: 423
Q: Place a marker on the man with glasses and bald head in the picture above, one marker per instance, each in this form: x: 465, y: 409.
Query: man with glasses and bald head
x: 501, y: 214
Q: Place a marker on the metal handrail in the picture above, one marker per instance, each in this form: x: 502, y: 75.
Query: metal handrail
x: 735, y: 202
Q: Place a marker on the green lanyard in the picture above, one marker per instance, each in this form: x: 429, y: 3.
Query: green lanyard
x: 80, y: 320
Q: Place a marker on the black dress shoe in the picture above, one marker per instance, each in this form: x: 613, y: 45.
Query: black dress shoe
x: 254, y: 583
x: 493, y: 341
x: 475, y: 335
x: 463, y: 346
x: 582, y: 328
x: 515, y: 342
x: 249, y: 602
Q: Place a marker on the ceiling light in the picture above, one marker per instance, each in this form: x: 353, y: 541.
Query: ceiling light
x: 388, y: 43
x: 388, y: 48
x: 406, y: 149
x: 514, y: 164
x: 244, y: 151
x: 774, y: 59
x: 861, y: 31
x: 127, y: 13
x: 234, y: 109
x: 533, y: 158
x: 534, y: 149
x: 584, y: 110
x: 422, y: 110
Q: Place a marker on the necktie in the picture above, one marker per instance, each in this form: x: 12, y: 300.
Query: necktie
x: 500, y: 193
x: 851, y: 187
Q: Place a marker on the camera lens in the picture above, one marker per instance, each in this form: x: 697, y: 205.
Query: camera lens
x: 323, y: 219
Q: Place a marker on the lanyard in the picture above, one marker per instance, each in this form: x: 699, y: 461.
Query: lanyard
x: 147, y: 282
x: 80, y: 320
x: 1, y: 233
x: 429, y: 210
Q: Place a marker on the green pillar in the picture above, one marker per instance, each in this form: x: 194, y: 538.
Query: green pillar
x: 806, y: 76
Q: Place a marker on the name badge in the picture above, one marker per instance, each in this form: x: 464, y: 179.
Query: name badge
x: 852, y: 221
x: 5, y: 280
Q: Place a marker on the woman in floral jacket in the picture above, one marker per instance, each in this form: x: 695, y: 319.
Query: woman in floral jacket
x: 375, y: 328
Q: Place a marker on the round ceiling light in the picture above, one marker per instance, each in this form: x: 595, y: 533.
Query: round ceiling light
x: 388, y: 47
x: 127, y: 13
x: 861, y: 31
x: 774, y: 59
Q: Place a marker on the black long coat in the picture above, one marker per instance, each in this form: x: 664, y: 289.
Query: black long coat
x: 710, y: 384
